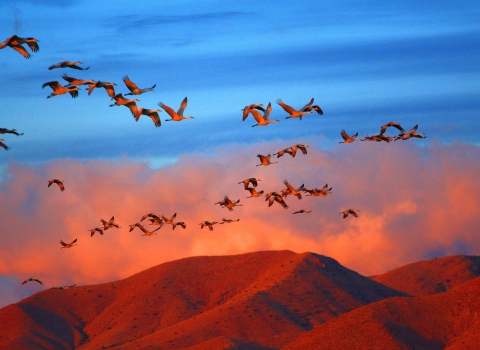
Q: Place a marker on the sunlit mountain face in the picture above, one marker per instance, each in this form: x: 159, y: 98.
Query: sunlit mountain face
x: 364, y: 65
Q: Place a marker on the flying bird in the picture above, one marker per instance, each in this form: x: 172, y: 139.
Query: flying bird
x: 348, y: 139
x: 68, y: 245
x: 134, y: 90
x: 393, y: 124
x: 32, y: 279
x: 179, y: 223
x: 283, y: 151
x: 208, y: 224
x: 154, y: 217
x: 309, y: 107
x: 299, y: 146
x: 109, y: 87
x: 15, y: 42
x: 349, y: 211
x: 301, y: 211
x: 247, y: 109
x: 75, y: 81
x: 228, y: 203
x: 169, y: 221
x: 254, y: 192
x: 263, y: 120
x: 9, y: 131
x: 109, y: 224
x: 275, y: 197
x: 293, y: 113
x: 176, y: 116
x: 58, y: 182
x: 265, y: 160
x: 145, y: 231
x: 410, y: 133
x: 152, y: 113
x: 292, y: 190
x: 251, y: 180
x: 60, y: 90
x: 315, y: 192
x: 122, y: 101
x: 67, y: 64
x: 96, y: 229
x: 228, y: 221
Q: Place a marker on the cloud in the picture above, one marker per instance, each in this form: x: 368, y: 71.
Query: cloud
x: 414, y: 202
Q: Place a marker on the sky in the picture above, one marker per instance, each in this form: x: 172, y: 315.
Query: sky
x: 365, y: 63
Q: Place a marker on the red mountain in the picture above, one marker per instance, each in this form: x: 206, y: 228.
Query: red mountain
x: 448, y: 320
x: 255, y: 301
x: 432, y: 276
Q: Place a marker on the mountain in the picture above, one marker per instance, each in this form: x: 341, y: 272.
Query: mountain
x: 258, y: 300
x: 449, y: 320
x: 432, y: 276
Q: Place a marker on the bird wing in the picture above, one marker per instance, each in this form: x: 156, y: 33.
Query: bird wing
x: 290, y: 187
x: 266, y: 115
x: 20, y: 49
x: 67, y: 78
x: 353, y: 213
x: 286, y: 107
x: 53, y: 84
x: 130, y: 85
x: 75, y: 240
x: 307, y: 105
x: 63, y: 243
x: 167, y: 109
x: 110, y: 90
x: 33, y: 46
x: 344, y: 135
x: 183, y: 105
x: 156, y: 119
x: 74, y: 93
x: 91, y: 87
x: 256, y: 114
x: 254, y: 182
x: 246, y: 111
x: 132, y: 106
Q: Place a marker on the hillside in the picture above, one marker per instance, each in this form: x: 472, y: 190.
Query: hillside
x: 262, y: 299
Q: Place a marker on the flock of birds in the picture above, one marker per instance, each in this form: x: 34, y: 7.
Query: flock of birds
x: 250, y: 184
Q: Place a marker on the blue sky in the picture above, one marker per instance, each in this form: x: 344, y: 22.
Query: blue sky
x: 365, y: 63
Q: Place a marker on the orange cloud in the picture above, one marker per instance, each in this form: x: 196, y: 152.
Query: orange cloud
x: 414, y: 202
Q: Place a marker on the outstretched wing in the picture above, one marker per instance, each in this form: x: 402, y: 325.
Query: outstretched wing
x: 183, y: 105
x: 130, y: 85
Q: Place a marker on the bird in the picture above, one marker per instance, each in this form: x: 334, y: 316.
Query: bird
x: 176, y: 116
x: 60, y: 90
x: 251, y: 180
x: 179, y: 223
x: 228, y: 203
x: 348, y: 139
x: 32, y: 279
x: 301, y: 211
x: 292, y: 190
x: 145, y: 231
x: 169, y: 221
x: 64, y: 287
x: 325, y: 191
x: 293, y: 113
x: 248, y: 109
x: 349, y: 211
x: 4, y: 145
x: 254, y: 192
x: 134, y: 90
x: 283, y: 151
x: 109, y: 87
x: 208, y: 224
x: 299, y: 146
x: 419, y: 136
x: 395, y: 125
x: 96, y: 229
x: 15, y: 42
x: 263, y: 120
x: 152, y: 113
x: 122, y: 101
x: 228, y: 221
x: 67, y: 64
x: 275, y: 197
x: 309, y: 107
x: 9, y: 131
x: 68, y: 245
x: 109, y: 224
x: 75, y: 81
x: 265, y: 160
x: 154, y: 217
x: 409, y: 134
x: 58, y: 182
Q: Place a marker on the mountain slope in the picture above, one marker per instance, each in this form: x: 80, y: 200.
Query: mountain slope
x: 264, y: 299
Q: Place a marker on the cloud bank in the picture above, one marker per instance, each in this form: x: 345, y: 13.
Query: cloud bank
x: 414, y: 203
